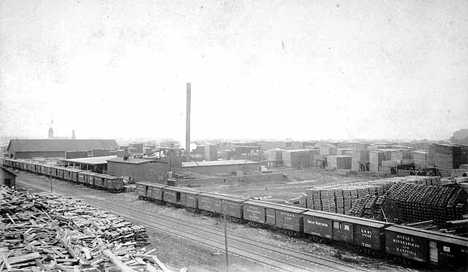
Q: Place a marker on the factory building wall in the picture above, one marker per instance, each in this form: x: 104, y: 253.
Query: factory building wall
x: 42, y: 154
x: 150, y: 171
x: 222, y: 169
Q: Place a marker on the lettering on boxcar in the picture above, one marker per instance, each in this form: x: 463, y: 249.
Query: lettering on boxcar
x: 366, y: 233
x: 313, y: 222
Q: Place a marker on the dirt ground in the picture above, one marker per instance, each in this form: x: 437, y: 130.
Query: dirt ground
x: 286, y: 190
x: 179, y: 252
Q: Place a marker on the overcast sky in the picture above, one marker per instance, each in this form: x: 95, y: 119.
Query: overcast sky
x: 267, y: 69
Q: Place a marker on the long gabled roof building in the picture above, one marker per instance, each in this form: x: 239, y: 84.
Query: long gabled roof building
x: 47, y: 148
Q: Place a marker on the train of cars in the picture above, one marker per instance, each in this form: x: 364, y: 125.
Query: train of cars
x: 402, y: 242
x: 91, y: 179
x: 406, y: 244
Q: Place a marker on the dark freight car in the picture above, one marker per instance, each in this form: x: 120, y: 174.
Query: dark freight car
x: 288, y: 217
x: 406, y: 243
x: 426, y: 246
x: 318, y: 224
x: 370, y: 234
x: 358, y: 231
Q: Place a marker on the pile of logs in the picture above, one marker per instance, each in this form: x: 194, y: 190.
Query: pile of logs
x: 49, y: 233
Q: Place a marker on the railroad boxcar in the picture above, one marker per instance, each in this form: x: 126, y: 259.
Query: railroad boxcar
x: 232, y: 207
x: 24, y: 165
x: 60, y: 172
x: 284, y: 217
x: 113, y: 184
x: 90, y: 176
x: 73, y: 174
x: 14, y: 163
x: 82, y: 177
x: 181, y: 197
x: 99, y: 181
x: 152, y: 191
x: 54, y: 172
x: 45, y: 170
x: 217, y: 204
x: 255, y: 212
x: 7, y: 162
x: 31, y: 167
x: 353, y: 230
x: 20, y: 165
x: 426, y: 246
x: 289, y: 218
x: 209, y: 203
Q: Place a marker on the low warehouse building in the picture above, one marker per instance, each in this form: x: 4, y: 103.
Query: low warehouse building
x: 54, y: 148
x: 7, y: 177
x: 220, y: 167
x: 139, y: 169
x: 95, y: 164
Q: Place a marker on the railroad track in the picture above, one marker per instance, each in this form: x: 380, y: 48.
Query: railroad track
x: 279, y: 258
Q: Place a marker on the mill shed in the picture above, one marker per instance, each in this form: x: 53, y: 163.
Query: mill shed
x: 7, y: 177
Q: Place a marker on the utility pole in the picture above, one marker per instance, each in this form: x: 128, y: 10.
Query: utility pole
x: 187, y: 123
x: 226, y: 240
x: 50, y: 177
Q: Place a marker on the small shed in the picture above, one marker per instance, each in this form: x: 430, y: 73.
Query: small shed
x: 7, y: 177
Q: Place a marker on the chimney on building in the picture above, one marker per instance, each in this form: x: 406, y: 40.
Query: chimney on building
x: 73, y: 135
x: 51, y: 130
x: 187, y: 127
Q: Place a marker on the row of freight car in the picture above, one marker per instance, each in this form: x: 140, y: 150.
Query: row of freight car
x: 404, y: 243
x: 95, y: 180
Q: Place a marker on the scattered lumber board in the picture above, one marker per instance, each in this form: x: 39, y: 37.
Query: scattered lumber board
x: 45, y: 232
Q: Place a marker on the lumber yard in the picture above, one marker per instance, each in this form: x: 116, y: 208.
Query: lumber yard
x: 371, y: 197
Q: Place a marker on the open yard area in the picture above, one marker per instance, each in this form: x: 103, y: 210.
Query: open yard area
x: 283, y: 188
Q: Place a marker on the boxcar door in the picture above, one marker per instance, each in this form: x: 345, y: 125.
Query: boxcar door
x: 343, y: 231
x: 433, y: 252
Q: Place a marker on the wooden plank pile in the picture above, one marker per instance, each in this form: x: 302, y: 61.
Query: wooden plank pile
x: 342, y: 198
x: 49, y: 233
x: 421, y: 203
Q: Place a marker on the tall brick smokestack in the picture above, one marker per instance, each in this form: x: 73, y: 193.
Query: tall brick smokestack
x: 187, y: 125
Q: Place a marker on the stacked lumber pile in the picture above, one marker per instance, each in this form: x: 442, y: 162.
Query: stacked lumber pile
x: 371, y: 207
x: 409, y: 203
x: 342, y: 198
x: 49, y: 233
x: 421, y: 203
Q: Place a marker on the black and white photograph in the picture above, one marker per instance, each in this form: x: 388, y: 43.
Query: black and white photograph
x: 233, y: 135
